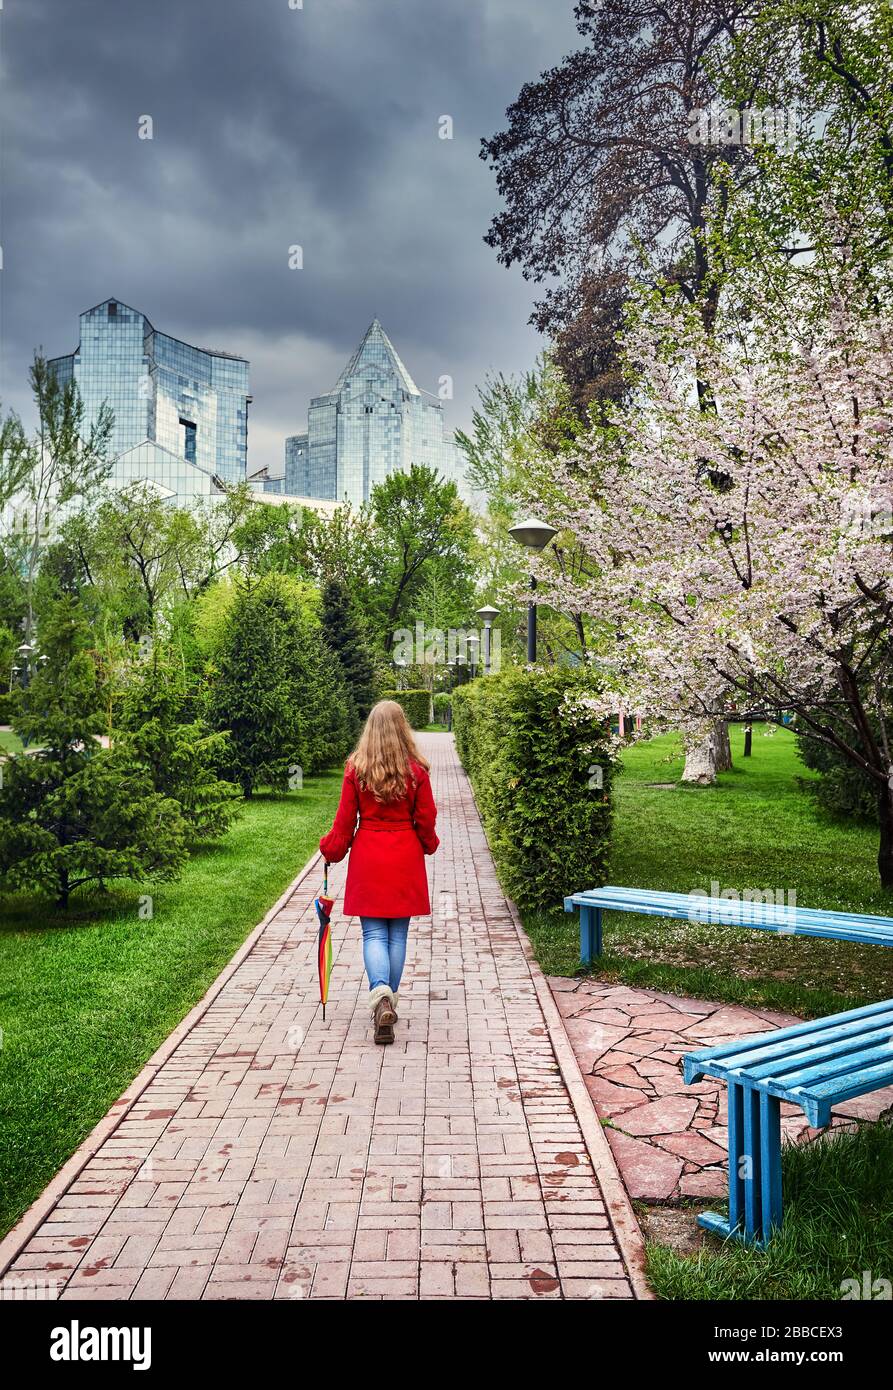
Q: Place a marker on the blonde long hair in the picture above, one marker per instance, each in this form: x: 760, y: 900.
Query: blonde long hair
x: 381, y: 759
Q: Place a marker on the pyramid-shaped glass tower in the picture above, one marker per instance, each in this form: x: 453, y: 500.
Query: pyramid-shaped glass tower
x: 375, y: 421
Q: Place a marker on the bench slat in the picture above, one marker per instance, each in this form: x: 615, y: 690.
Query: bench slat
x: 656, y: 896
x: 758, y: 1047
x: 847, y: 1064
x: 650, y: 902
x: 871, y: 1079
x: 777, y: 1047
x: 812, y: 1055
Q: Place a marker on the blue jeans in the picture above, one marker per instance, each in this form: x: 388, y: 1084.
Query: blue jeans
x: 384, y: 949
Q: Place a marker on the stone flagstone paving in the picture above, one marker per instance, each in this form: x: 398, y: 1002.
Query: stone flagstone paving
x: 270, y: 1155
x: 670, y: 1140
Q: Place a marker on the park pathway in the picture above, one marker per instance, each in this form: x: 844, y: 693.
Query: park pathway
x: 265, y: 1154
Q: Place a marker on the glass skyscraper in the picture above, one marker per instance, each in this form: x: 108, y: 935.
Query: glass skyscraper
x: 190, y: 402
x: 375, y: 421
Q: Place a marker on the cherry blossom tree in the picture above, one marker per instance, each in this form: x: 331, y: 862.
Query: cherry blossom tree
x: 744, y: 553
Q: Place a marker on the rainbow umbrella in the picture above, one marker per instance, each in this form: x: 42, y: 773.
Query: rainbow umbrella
x: 324, y: 905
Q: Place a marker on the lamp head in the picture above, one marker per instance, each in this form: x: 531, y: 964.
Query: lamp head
x: 532, y: 533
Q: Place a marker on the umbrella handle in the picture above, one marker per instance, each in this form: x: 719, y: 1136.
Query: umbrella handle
x: 325, y: 877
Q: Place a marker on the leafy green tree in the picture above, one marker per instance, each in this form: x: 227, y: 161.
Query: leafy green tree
x: 518, y: 428
x: 341, y: 547
x: 71, y: 812
x: 422, y: 528
x: 269, y: 538
x: 65, y: 464
x: 825, y: 64
x: 346, y: 640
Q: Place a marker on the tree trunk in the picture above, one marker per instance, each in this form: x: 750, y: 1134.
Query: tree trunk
x: 723, y: 746
x: 62, y: 900
x: 700, y: 763
x: 708, y: 756
x: 885, y: 848
x: 748, y: 740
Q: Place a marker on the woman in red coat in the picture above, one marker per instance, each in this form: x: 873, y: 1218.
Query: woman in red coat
x: 386, y: 817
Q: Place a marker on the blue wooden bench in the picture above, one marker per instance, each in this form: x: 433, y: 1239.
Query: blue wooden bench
x: 815, y: 1065
x: 692, y: 907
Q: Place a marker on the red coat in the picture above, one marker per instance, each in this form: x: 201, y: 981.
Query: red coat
x: 386, y: 875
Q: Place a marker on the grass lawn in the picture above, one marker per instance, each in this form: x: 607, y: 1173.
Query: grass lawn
x: 9, y: 742
x: 88, y: 995
x: 838, y: 1222
x: 758, y: 829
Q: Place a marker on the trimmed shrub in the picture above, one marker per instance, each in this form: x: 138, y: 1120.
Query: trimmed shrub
x: 416, y: 705
x: 541, y: 763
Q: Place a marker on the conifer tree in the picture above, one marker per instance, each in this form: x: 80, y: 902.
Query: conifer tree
x: 343, y: 634
x: 278, y: 689
x: 180, y: 753
x: 71, y: 812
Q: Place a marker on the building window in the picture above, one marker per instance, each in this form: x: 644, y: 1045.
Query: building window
x: 113, y: 309
x: 188, y: 440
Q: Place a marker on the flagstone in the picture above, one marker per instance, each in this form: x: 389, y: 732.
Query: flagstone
x: 693, y: 1147
x: 727, y: 1024
x: 638, y: 1086
x: 647, y: 1171
x: 614, y: 1018
x: 626, y: 1075
x: 611, y: 1097
x: 708, y: 1182
x: 666, y: 1116
x: 670, y: 1021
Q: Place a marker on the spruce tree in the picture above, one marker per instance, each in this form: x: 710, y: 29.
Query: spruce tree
x: 277, y: 689
x: 180, y: 754
x: 71, y: 812
x: 343, y: 634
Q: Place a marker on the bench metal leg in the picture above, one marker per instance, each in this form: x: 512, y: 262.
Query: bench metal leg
x: 770, y: 1163
x: 754, y: 1168
x: 590, y: 933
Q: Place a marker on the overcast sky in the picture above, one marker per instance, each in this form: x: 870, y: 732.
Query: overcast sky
x: 272, y: 127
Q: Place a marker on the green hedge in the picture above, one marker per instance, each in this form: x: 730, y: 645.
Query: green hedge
x: 541, y: 768
x: 416, y: 705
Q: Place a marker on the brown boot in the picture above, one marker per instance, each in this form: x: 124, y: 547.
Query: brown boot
x: 383, y: 1014
x: 384, y: 1022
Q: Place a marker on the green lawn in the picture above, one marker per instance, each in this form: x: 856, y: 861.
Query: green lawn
x: 9, y: 742
x: 88, y: 995
x: 758, y: 829
x: 838, y: 1222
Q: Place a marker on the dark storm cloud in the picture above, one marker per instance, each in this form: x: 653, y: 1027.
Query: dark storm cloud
x: 273, y: 127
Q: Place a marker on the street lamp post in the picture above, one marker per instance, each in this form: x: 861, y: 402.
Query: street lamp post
x: 24, y: 652
x: 473, y: 644
x: 487, y: 614
x: 533, y: 535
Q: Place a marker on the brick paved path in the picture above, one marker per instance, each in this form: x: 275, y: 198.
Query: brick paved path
x: 271, y: 1155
